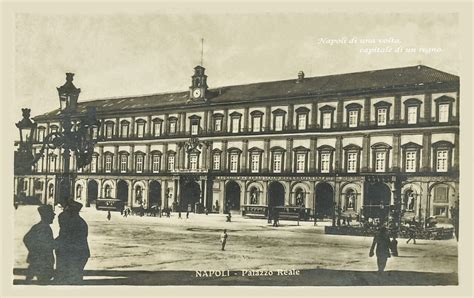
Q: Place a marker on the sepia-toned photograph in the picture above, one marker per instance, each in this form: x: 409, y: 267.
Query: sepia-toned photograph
x: 235, y: 148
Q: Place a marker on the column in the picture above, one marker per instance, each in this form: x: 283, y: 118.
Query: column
x: 426, y: 154
x: 130, y: 193
x: 183, y: 124
x: 165, y: 124
x: 338, y: 153
x: 365, y: 153
x: 426, y: 116
x: 146, y: 161
x: 164, y: 195
x: 148, y: 126
x: 164, y: 158
x: 224, y: 156
x: 267, y: 118
x: 179, y: 126
x: 116, y: 160
x: 456, y: 152
x: 209, y: 155
x: 291, y: 111
x: 205, y: 122
x: 182, y: 157
x: 266, y: 155
x: 314, y: 115
x: 340, y: 113
x: 132, y: 127
x: 312, y: 154
x: 245, y: 154
x: 289, y: 193
x: 131, y: 163
x: 397, y: 109
x: 202, y: 196
x: 177, y: 192
x: 117, y: 127
x: 100, y: 159
x: 367, y: 109
x: 246, y: 119
x: 224, y: 120
x: 204, y: 156
x: 289, y: 155
x: 396, y: 153
x: 209, y: 122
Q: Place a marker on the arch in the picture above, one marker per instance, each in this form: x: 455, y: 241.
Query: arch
x: 324, y: 200
x: 92, y: 192
x: 377, y: 200
x: 276, y: 194
x: 232, y: 196
x: 189, y: 196
x: 154, y: 193
x: 79, y: 190
x: 351, y: 196
x: 297, y: 196
x: 139, y: 194
x: 122, y: 191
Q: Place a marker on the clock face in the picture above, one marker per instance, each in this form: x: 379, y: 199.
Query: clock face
x: 196, y: 93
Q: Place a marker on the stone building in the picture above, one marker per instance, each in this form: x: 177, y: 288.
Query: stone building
x: 372, y: 140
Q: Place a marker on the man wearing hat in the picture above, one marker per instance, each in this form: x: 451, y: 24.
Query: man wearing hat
x: 73, y: 250
x: 40, y: 244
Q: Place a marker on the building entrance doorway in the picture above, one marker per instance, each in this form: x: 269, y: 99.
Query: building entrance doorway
x: 324, y: 200
x: 232, y: 196
x: 190, y: 195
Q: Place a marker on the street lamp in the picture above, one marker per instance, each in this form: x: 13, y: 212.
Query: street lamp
x: 79, y: 140
x: 24, y: 155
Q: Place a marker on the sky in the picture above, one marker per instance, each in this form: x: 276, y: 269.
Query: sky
x: 116, y: 55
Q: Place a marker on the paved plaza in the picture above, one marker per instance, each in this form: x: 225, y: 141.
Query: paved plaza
x: 154, y: 250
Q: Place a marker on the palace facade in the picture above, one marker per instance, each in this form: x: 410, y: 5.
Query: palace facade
x: 379, y: 139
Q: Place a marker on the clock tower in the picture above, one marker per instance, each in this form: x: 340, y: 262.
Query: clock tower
x: 198, y: 88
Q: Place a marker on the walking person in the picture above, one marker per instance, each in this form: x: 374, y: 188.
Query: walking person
x: 412, y: 233
x: 179, y: 214
x: 394, y: 246
x: 381, y: 244
x: 109, y: 215
x: 187, y: 215
x: 224, y: 239
x: 40, y: 244
x: 72, y: 251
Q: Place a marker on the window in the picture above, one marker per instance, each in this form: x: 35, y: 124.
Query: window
x: 95, y: 132
x: 124, y: 129
x: 444, y: 108
x: 443, y: 113
x: 123, y: 163
x: 412, y: 115
x: 193, y: 161
x: 327, y: 120
x: 256, y: 121
x: 300, y: 162
x: 109, y: 130
x: 410, y: 161
x: 108, y: 163
x: 380, y: 161
x: 140, y: 129
x: 139, y: 163
x: 195, y: 123
x: 302, y: 118
x: 353, y: 117
x: 352, y: 114
x: 234, y: 162
x: 218, y: 122
x: 325, y: 162
x: 172, y: 125
x: 326, y: 116
x: 157, y: 123
x: 412, y: 110
x: 52, y: 163
x: 278, y: 119
x: 255, y: 163
x: 108, y: 191
x: 235, y: 122
x: 93, y: 165
x: 277, y: 161
x: 381, y: 116
x: 410, y: 157
x: 41, y: 134
x: 216, y: 161
x: 441, y: 160
x: 53, y: 128
x: 352, y: 162
x: 442, y: 151
x: 380, y: 157
x: 171, y: 159
x: 155, y: 163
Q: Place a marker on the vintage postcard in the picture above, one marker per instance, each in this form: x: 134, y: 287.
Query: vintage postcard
x: 261, y: 147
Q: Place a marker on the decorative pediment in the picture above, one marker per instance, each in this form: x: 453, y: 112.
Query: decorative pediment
x: 381, y: 145
x: 327, y: 108
x: 278, y: 112
x: 326, y: 148
x: 354, y: 106
x: 444, y: 99
x: 302, y: 110
x: 382, y: 104
x: 412, y: 102
x: 411, y: 145
x: 300, y: 148
x: 352, y: 147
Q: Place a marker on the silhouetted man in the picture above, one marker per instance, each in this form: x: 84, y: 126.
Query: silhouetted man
x: 382, y: 242
x: 40, y: 244
x: 223, y: 239
x: 73, y: 250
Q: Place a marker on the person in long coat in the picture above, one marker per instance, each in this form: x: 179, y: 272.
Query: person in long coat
x: 40, y: 244
x: 73, y: 252
x: 381, y: 244
x: 223, y: 239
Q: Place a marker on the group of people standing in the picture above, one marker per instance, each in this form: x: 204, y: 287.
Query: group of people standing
x: 70, y: 250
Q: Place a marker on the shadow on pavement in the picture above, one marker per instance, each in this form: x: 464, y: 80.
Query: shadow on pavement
x: 307, y: 277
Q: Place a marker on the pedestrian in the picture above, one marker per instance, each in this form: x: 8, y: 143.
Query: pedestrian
x: 72, y: 251
x: 229, y: 217
x: 109, y: 215
x: 206, y: 211
x: 122, y: 210
x: 187, y: 215
x: 179, y: 214
x: 412, y: 234
x: 394, y: 246
x: 349, y: 220
x: 40, y: 244
x: 224, y: 239
x: 381, y: 244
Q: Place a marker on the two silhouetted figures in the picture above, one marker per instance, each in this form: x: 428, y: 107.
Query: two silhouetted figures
x: 71, y: 247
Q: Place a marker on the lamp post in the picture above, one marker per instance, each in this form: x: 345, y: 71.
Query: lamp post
x: 24, y: 155
x: 78, y: 140
x: 334, y: 195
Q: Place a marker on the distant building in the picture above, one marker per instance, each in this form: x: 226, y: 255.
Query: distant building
x: 372, y: 140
